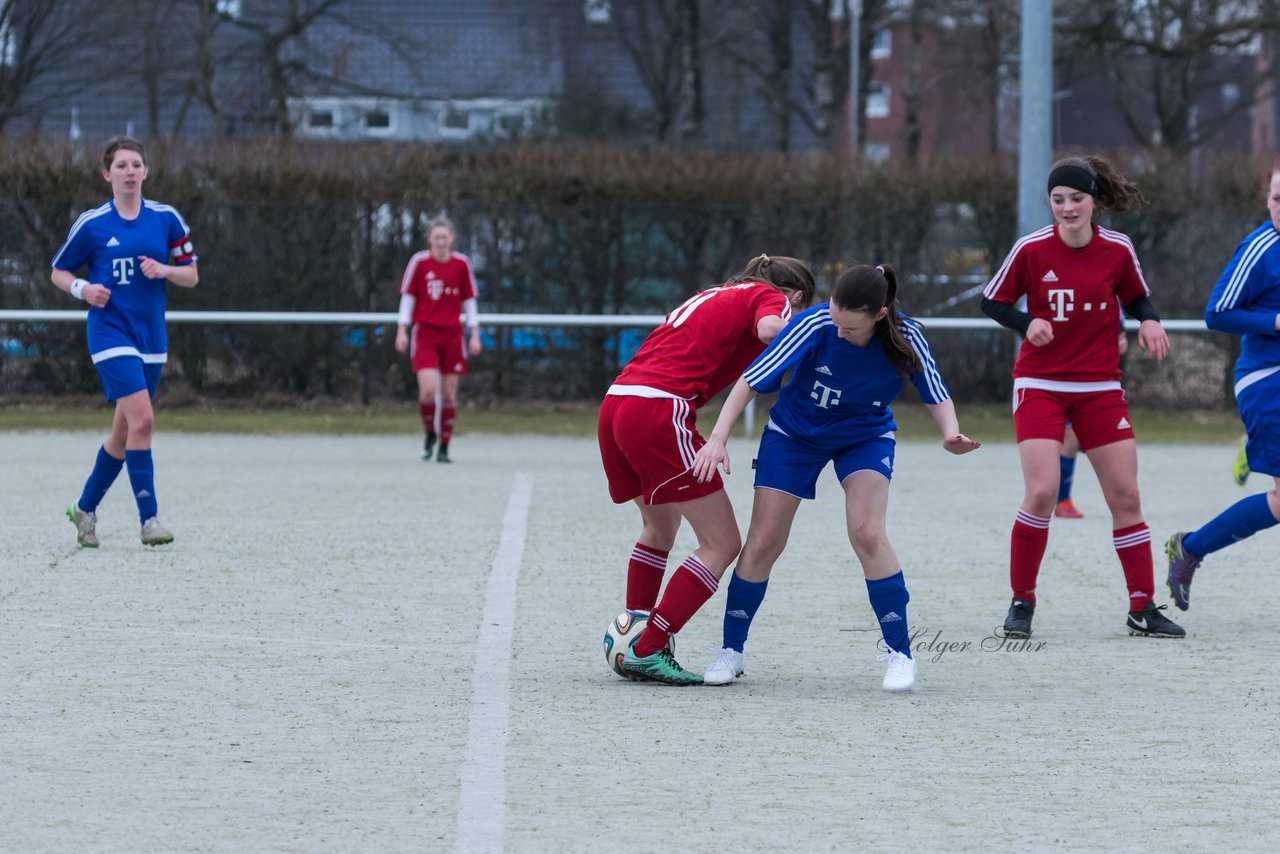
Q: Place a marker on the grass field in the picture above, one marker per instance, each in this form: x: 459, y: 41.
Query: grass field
x: 988, y: 422
x: 349, y: 650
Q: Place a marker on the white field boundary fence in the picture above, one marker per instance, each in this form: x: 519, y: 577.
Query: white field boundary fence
x: 365, y: 318
x: 375, y: 318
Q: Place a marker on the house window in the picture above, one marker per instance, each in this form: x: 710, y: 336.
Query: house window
x: 881, y: 44
x: 456, y: 119
x: 320, y: 119
x: 379, y: 120
x: 877, y: 100
x: 876, y: 152
x: 597, y: 11
x: 510, y: 124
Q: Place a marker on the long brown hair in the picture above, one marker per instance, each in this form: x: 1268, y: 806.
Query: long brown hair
x: 868, y: 289
x: 1115, y: 191
x: 782, y: 272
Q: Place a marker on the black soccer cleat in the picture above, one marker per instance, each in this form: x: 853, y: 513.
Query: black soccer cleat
x: 428, y: 446
x: 1018, y: 623
x: 1150, y: 623
x: 443, y: 455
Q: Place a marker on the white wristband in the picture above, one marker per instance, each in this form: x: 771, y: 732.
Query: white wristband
x: 77, y: 288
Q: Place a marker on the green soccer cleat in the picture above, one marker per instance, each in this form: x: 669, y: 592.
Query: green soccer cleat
x: 659, y: 667
x: 1240, y: 468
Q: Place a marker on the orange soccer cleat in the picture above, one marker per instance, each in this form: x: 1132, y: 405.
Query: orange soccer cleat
x: 1067, y: 509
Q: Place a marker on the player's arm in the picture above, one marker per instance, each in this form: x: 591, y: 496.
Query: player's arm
x: 770, y: 328
x: 714, y: 452
x: 471, y: 320
x: 403, y: 320
x: 182, y: 275
x: 81, y: 289
x: 1151, y: 334
x: 944, y: 415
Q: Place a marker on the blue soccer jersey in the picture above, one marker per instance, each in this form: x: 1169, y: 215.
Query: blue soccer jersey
x: 132, y: 322
x: 1246, y: 300
x: 839, y: 393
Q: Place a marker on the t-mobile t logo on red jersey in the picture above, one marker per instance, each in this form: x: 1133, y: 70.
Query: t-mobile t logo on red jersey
x: 1062, y: 300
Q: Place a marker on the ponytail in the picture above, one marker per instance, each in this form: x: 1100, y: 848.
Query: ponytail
x: 868, y: 289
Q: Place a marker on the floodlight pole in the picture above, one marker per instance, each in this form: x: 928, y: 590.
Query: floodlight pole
x: 1035, y: 117
x: 855, y: 29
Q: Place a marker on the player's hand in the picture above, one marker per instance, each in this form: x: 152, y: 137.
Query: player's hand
x: 1040, y: 332
x: 474, y: 347
x: 402, y: 340
x: 1153, y: 339
x: 710, y: 455
x: 960, y: 444
x: 96, y: 295
x: 153, y: 269
x: 1124, y: 343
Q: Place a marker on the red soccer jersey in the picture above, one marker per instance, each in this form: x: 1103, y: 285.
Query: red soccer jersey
x: 706, y: 343
x: 438, y: 289
x: 1079, y: 291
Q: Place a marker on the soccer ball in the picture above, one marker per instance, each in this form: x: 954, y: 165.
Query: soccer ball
x: 623, y: 631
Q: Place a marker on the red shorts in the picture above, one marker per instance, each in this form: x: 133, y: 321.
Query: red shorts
x: 1098, y: 417
x: 438, y: 349
x: 647, y: 445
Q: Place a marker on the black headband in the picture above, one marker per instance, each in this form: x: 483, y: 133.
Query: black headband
x: 1075, y: 177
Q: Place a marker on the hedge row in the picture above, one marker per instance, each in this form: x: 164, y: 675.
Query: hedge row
x: 564, y: 229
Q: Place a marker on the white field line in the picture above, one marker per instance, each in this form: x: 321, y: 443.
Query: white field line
x: 482, y: 802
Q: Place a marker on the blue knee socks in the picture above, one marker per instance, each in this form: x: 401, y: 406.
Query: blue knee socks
x: 105, y: 469
x: 740, y: 609
x: 143, y: 480
x: 1067, y: 474
x: 1243, y: 519
x: 889, y: 599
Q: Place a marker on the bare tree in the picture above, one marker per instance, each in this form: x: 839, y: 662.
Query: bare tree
x: 664, y: 42
x: 301, y: 44
x: 36, y: 38
x: 1161, y: 57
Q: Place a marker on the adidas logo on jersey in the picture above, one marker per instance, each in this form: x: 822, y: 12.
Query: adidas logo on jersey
x: 113, y: 242
x: 1049, y: 277
x: 891, y: 617
x: 824, y: 370
x: 1124, y: 424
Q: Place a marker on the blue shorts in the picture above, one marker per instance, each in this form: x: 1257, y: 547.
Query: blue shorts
x: 1260, y: 411
x: 792, y: 465
x: 124, y: 375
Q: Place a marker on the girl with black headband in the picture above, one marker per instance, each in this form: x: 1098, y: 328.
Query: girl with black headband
x: 1073, y: 273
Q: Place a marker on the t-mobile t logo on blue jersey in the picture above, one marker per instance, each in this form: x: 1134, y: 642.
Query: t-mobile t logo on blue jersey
x: 122, y: 269
x: 826, y: 397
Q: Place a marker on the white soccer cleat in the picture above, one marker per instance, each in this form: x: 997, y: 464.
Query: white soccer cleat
x: 728, y: 665
x: 900, y: 675
x: 86, y: 524
x: 155, y: 534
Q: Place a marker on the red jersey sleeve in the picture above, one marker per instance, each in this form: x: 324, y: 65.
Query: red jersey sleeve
x: 1009, y: 284
x: 1131, y: 284
x: 469, y: 290
x: 410, y: 281
x: 769, y: 302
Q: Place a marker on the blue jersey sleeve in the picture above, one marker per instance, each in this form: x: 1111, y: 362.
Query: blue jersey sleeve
x: 797, y: 338
x: 1231, y: 307
x: 76, y: 251
x: 927, y: 380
